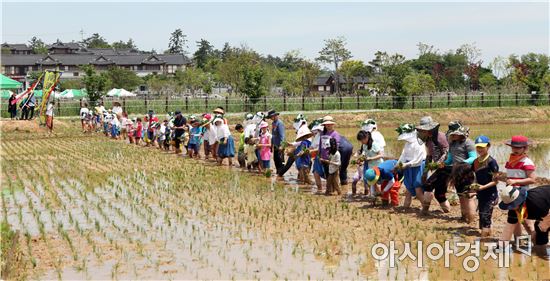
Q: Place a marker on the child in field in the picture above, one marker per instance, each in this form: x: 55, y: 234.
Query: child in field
x: 370, y: 155
x: 131, y: 129
x: 167, y: 135
x: 241, y: 157
x: 210, y: 138
x: 251, y: 158
x: 139, y: 131
x: 195, y: 139
x: 461, y: 151
x: 265, y: 146
x: 484, y: 167
x: 333, y: 162
x: 226, y: 144
x: 115, y: 126
x: 520, y: 171
x: 411, y: 163
x: 160, y: 132
x: 302, y: 155
x: 389, y: 183
x: 49, y: 116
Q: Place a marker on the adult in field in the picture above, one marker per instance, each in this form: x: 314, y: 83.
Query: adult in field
x: 117, y: 109
x: 12, y: 106
x: 27, y: 107
x: 179, y: 123
x: 437, y: 148
x: 277, y: 140
x: 344, y: 147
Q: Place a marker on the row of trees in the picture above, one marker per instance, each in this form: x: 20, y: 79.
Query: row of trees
x: 248, y: 73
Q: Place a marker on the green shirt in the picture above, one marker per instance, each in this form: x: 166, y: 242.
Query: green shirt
x: 241, y: 143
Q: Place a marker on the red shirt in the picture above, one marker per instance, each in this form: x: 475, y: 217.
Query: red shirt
x: 519, y: 169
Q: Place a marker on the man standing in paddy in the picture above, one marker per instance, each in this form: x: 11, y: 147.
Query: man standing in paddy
x: 277, y: 139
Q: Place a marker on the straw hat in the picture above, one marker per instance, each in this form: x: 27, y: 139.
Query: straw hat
x: 219, y: 110
x: 303, y: 133
x: 328, y: 120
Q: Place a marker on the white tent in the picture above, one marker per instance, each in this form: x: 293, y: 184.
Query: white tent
x: 120, y: 93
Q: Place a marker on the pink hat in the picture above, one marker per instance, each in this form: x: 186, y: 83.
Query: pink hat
x: 263, y: 125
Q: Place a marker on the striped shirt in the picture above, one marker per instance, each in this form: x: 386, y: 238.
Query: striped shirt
x: 519, y: 170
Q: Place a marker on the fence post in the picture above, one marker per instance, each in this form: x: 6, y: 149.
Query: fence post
x: 226, y: 103
x: 431, y: 100
x: 358, y: 107
x: 124, y: 104
x: 322, y: 102
x: 517, y: 102
x: 206, y: 103
x: 145, y: 102
x: 448, y: 99
x: 284, y: 101
x: 482, y: 98
x: 186, y: 103
x: 303, y: 103
x: 244, y: 104
x: 341, y: 105
x: 376, y: 101
x: 58, y: 107
x: 166, y: 105
x: 499, y: 102
x: 465, y: 99
x: 549, y: 97
x: 265, y: 103
x: 413, y: 105
x: 80, y: 100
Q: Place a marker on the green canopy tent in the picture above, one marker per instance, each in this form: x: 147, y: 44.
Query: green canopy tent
x: 8, y: 83
x: 5, y: 94
x: 72, y: 94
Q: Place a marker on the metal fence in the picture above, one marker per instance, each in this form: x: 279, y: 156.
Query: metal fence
x: 139, y: 105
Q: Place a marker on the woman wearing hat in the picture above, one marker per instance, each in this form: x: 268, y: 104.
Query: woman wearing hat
x: 411, y: 162
x: 436, y: 148
x: 522, y: 205
x: 226, y: 144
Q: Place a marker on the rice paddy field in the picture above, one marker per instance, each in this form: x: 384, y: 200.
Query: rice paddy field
x: 87, y: 207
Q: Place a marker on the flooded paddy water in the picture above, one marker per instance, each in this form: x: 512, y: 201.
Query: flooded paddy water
x: 92, y: 208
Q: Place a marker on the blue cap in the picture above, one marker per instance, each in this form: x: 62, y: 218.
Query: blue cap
x: 482, y: 141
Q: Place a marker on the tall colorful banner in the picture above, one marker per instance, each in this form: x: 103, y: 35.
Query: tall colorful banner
x: 50, y: 80
x: 30, y: 90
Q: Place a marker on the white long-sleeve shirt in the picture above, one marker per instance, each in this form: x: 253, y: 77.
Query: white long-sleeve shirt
x: 222, y: 132
x: 210, y: 135
x: 413, y: 154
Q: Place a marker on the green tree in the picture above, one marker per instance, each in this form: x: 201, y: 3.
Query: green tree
x: 122, y: 78
x: 96, y: 41
x: 193, y: 79
x: 177, y: 42
x: 335, y: 52
x: 487, y: 81
x: 95, y: 84
x: 253, y: 85
x: 71, y: 84
x: 530, y: 70
x: 418, y: 83
x: 38, y: 46
x: 203, y: 53
x: 351, y: 69
x: 124, y: 45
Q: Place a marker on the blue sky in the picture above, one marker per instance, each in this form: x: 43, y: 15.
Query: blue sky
x: 497, y: 28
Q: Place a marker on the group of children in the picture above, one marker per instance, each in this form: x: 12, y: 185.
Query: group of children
x: 429, y: 163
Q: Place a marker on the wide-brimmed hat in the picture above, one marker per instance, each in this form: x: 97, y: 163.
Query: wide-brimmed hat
x: 457, y: 128
x: 216, y: 120
x: 511, y: 197
x: 272, y: 113
x: 427, y: 124
x: 248, y: 116
x: 219, y: 110
x: 303, y: 133
x: 368, y: 125
x: 372, y: 175
x: 328, y: 120
x: 518, y: 141
x: 406, y: 131
x: 316, y: 125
